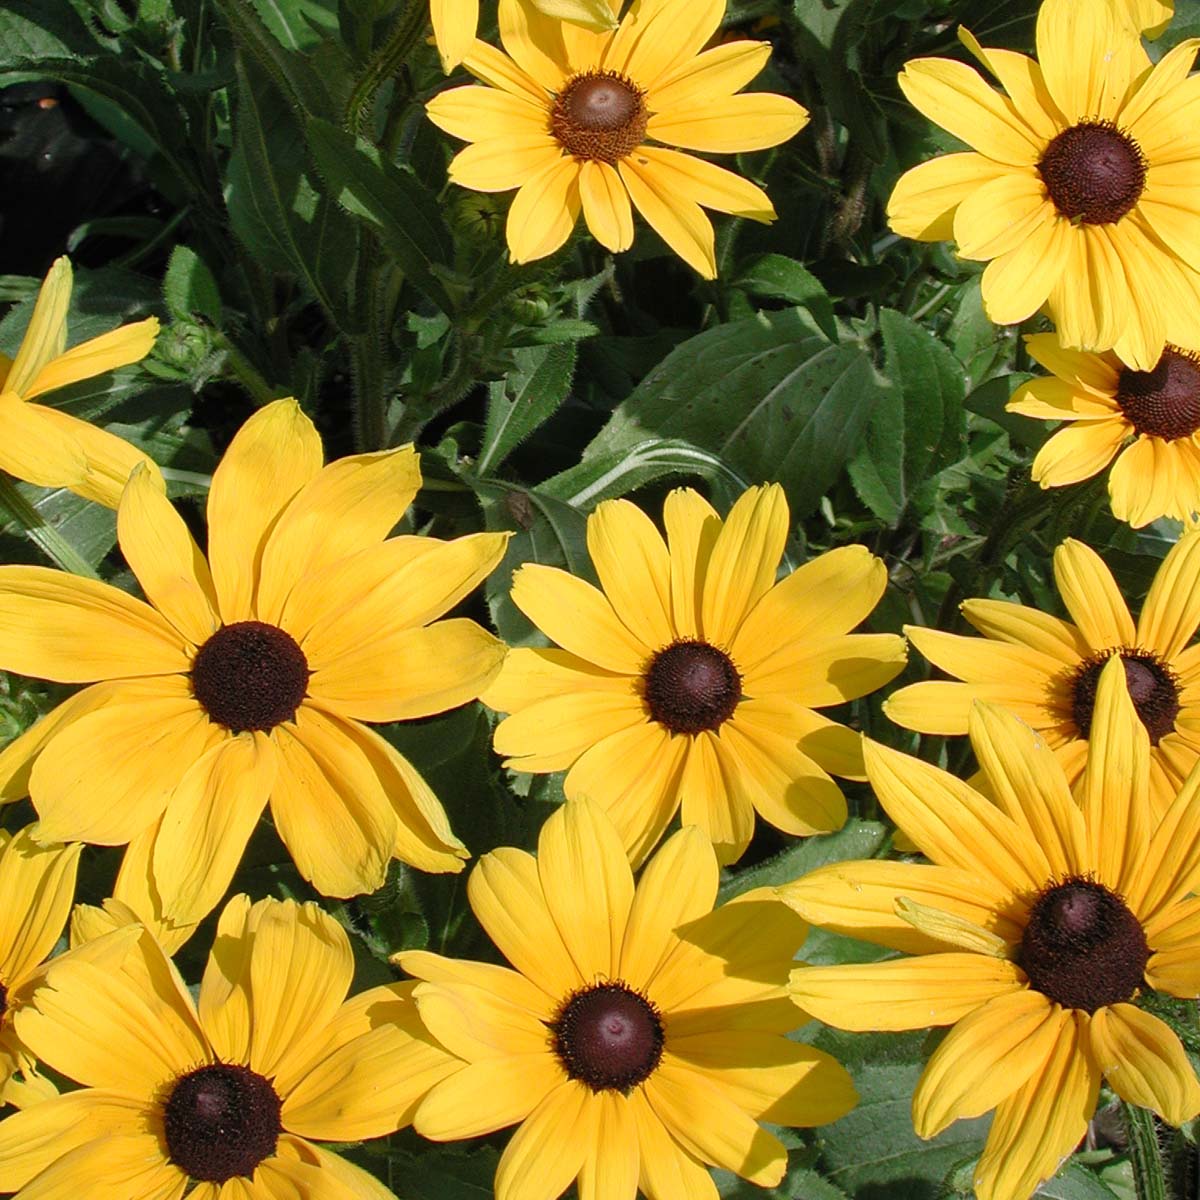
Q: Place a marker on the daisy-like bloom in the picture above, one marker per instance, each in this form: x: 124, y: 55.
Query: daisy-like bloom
x: 1079, y: 187
x: 1033, y: 929
x: 641, y: 1034
x: 1105, y: 404
x: 1046, y: 669
x: 455, y: 22
x: 692, y: 678
x: 567, y: 113
x: 37, y: 885
x: 51, y: 448
x: 226, y: 1097
x: 247, y: 677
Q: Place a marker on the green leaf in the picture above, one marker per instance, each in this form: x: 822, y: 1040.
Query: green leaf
x: 873, y: 1150
x: 528, y: 396
x: 919, y: 429
x: 768, y: 395
x: 74, y: 533
x: 1075, y: 1182
x: 798, y: 1182
x: 782, y: 278
x: 281, y: 218
x: 33, y: 29
x: 189, y: 287
x: 298, y: 24
x: 400, y: 209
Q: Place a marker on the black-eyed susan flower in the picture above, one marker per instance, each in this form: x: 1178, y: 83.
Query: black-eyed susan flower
x: 692, y: 678
x: 569, y: 114
x: 1046, y: 669
x: 1079, y: 188
x: 455, y: 22
x: 1032, y: 931
x: 640, y: 1037
x: 44, y: 445
x: 225, y: 1097
x: 247, y: 677
x: 37, y: 885
x: 1147, y: 420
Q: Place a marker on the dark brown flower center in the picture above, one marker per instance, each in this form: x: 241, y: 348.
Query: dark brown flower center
x: 1093, y: 172
x: 608, y: 1036
x: 1152, y: 686
x: 691, y: 686
x: 250, y: 675
x: 221, y: 1121
x: 599, y: 115
x: 1165, y: 401
x: 1083, y: 947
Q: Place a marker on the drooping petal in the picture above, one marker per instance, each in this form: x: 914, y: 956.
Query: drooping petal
x: 606, y: 206
x: 544, y: 211
x: 724, y: 813
x: 1018, y: 283
x: 668, y: 1171
x: 923, y: 202
x: 552, y: 734
x: 707, y: 184
x: 487, y: 1095
x: 454, y: 23
x: 31, y: 449
x: 37, y: 885
x: 680, y: 222
x: 547, y: 1151
x: 474, y: 1024
x: 1077, y: 452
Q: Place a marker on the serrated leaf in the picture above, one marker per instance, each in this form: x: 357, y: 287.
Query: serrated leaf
x: 767, y: 395
x: 33, y: 29
x: 297, y: 24
x: 281, y: 218
x: 782, y: 278
x: 189, y: 287
x: 529, y: 395
x: 396, y: 205
x: 919, y: 430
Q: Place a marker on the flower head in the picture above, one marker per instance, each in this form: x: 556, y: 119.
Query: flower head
x: 1047, y: 670
x: 1032, y: 931
x: 37, y: 885
x: 49, y: 447
x: 641, y: 1035
x: 229, y: 1094
x: 246, y: 678
x: 568, y: 114
x: 1078, y: 187
x: 692, y: 678
x: 1106, y: 405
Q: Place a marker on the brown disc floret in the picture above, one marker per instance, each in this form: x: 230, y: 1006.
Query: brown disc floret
x: 1094, y: 172
x: 691, y: 686
x: 1163, y: 402
x: 1152, y: 685
x: 599, y: 116
x: 608, y: 1036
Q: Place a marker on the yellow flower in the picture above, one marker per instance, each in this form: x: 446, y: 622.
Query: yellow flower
x: 1106, y: 404
x: 692, y: 678
x: 37, y: 884
x: 641, y: 1035
x: 1045, y: 669
x: 455, y: 21
x: 1079, y: 191
x: 51, y: 448
x: 565, y: 119
x: 1034, y: 928
x: 230, y: 1093
x: 248, y: 677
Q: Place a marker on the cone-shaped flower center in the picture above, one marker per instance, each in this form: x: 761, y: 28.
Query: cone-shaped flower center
x: 250, y: 675
x: 691, y: 686
x: 1083, y: 947
x: 608, y: 1036
x: 1164, y: 402
x: 1152, y: 686
x: 221, y: 1121
x: 1093, y: 172
x: 599, y: 115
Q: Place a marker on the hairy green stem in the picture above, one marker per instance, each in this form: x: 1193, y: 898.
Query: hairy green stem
x: 386, y: 61
x: 1145, y: 1154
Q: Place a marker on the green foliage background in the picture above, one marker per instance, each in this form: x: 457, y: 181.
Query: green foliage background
x: 306, y: 242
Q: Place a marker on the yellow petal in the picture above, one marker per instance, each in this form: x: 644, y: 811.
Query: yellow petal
x: 486, y: 114
x: 498, y: 981
x: 330, y: 808
x: 907, y: 993
x: 712, y: 74
x: 487, y: 1095
x: 1020, y: 625
x: 1167, y: 871
x: 207, y: 823
x: 118, y: 348
x: 409, y: 673
x: 1171, y: 611
x: 1144, y: 1063
x: 679, y: 222
x: 729, y: 125
x: 224, y: 1001
x: 454, y: 23
x: 535, y: 41
x: 135, y: 898
x: 116, y: 1167
x: 164, y: 556
x: 986, y: 1056
x: 593, y: 14
x: 724, y: 813
x: 544, y: 211
x: 1078, y: 452
x: 707, y: 184
x: 606, y: 207
x: 494, y: 67
x: 1080, y: 51
x: 633, y: 567
x: 1000, y: 214
x: 818, y: 672
x: 1021, y: 77
x: 859, y: 900
x: 668, y: 1171
x: 499, y: 164
x: 588, y: 885
x: 46, y: 335
x: 612, y: 1168
x: 32, y: 450
x: 474, y: 1024
x: 37, y: 883
x: 550, y: 735
x: 274, y: 454
x: 547, y: 1151
x: 658, y: 39
x: 692, y: 528
x: 1017, y: 284
x: 923, y: 202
